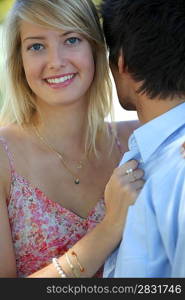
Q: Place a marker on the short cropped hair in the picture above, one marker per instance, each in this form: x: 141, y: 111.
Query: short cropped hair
x: 75, y: 15
x: 151, y: 35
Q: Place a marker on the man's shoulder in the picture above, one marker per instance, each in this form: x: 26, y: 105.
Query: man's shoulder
x: 170, y: 151
x: 167, y: 166
x: 165, y: 184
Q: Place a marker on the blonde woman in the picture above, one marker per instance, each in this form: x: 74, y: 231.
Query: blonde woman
x: 56, y: 152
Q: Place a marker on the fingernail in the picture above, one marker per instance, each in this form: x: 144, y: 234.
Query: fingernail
x: 182, y: 151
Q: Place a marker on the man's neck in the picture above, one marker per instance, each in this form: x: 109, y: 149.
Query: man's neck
x: 149, y: 109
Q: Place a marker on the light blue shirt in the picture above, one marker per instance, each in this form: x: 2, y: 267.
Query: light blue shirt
x: 153, y: 243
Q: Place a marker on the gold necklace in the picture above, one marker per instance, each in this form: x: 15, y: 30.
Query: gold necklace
x: 60, y: 156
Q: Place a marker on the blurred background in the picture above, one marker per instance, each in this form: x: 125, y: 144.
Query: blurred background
x: 5, y: 5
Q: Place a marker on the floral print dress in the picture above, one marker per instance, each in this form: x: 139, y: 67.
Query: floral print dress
x: 41, y: 228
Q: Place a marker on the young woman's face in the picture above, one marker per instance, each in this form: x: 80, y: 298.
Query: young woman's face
x: 58, y: 65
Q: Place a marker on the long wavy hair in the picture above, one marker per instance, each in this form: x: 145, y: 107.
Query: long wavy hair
x: 74, y: 15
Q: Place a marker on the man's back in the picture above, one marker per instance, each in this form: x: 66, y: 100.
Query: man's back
x: 146, y: 42
x: 153, y: 240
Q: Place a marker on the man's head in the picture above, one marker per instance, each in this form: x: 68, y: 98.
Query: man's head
x: 146, y: 40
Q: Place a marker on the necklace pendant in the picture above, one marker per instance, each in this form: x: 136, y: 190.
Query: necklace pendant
x: 79, y: 166
x: 77, y: 181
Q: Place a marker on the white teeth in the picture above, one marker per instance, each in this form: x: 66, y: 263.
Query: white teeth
x: 60, y: 80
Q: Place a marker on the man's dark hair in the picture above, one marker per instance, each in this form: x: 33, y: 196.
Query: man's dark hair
x: 151, y: 34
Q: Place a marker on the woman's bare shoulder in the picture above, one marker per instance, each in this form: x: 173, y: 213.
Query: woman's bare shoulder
x: 128, y: 125
x: 126, y: 128
x: 7, y: 257
x: 6, y: 134
x: 9, y: 132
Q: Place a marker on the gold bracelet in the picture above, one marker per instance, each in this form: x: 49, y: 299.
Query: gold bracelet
x: 71, y: 266
x: 82, y: 269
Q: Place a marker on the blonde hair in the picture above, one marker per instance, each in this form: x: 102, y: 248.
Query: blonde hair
x: 76, y: 15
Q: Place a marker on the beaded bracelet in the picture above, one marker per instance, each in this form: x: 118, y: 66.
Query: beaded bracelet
x: 58, y: 267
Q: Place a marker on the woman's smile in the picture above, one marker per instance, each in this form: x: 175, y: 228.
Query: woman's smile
x: 60, y: 81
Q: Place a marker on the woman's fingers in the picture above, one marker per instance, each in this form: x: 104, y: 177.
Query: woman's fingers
x: 122, y: 190
x: 129, y: 172
x: 183, y: 150
x: 137, y: 184
x: 135, y: 175
x: 129, y: 166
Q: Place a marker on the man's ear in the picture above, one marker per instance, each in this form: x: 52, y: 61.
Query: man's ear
x: 121, y: 63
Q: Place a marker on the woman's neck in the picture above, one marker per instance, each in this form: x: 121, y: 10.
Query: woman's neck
x: 64, y: 128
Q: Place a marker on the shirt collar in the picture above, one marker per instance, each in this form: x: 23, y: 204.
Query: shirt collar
x: 152, y: 134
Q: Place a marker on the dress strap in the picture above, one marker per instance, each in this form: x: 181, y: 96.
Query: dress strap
x: 117, y: 141
x: 3, y: 142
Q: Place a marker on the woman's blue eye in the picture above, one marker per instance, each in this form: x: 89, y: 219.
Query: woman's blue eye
x: 36, y: 47
x: 73, y: 41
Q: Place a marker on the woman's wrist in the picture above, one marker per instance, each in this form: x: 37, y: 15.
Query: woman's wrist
x: 112, y: 227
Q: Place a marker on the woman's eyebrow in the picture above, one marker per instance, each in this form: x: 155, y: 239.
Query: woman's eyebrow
x: 34, y: 38
x: 43, y: 38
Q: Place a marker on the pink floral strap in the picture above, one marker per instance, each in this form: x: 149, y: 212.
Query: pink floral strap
x: 116, y: 139
x: 5, y: 147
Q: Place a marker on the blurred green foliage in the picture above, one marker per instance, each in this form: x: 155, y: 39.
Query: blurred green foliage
x: 4, y: 7
x: 97, y: 1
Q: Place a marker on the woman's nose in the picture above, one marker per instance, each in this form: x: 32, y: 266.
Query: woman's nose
x: 57, y: 59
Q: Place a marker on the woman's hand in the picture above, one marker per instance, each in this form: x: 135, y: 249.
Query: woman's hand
x: 183, y: 150
x: 122, y: 190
